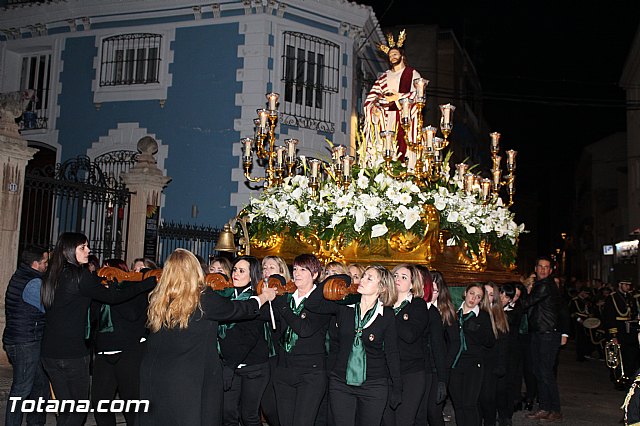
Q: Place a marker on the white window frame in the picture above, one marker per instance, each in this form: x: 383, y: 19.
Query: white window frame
x: 137, y: 91
x: 332, y: 101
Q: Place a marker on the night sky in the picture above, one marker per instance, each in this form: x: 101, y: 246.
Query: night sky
x: 549, y: 72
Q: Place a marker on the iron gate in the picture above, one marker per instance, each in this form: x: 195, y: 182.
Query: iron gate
x: 76, y: 196
x: 198, y: 239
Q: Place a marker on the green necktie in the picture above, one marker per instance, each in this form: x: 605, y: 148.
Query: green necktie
x: 222, y: 328
x: 291, y: 337
x: 401, y: 307
x: 463, y: 341
x: 357, y: 364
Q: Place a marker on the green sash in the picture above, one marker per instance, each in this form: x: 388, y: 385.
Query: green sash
x: 357, y: 364
x: 290, y: 337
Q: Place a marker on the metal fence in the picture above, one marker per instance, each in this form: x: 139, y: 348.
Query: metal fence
x: 198, y: 239
x: 75, y: 196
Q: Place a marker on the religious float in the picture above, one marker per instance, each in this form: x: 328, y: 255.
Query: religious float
x: 381, y: 206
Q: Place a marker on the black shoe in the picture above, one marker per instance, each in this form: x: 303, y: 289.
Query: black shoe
x: 517, y: 406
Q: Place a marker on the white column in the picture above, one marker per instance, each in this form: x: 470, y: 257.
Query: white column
x: 146, y: 182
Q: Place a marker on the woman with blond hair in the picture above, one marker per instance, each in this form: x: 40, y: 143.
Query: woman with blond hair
x: 274, y: 265
x: 366, y: 374
x: 181, y: 373
x: 412, y: 319
x: 476, y: 335
x: 495, y: 358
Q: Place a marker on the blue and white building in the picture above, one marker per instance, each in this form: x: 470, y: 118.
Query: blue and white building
x: 190, y: 74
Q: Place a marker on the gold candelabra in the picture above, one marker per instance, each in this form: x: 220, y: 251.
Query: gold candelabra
x: 424, y: 160
x: 282, y: 161
x: 488, y: 189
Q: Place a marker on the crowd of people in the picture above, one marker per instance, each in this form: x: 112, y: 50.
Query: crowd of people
x: 391, y: 352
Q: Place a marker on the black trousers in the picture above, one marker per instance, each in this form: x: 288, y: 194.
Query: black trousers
x: 509, y: 386
x: 268, y: 403
x: 413, y: 388
x: 488, y: 390
x: 70, y: 380
x: 464, y: 387
x: 299, y: 392
x: 118, y: 372
x: 242, y: 400
x: 429, y: 411
x: 544, y: 352
x: 526, y: 371
x: 358, y: 405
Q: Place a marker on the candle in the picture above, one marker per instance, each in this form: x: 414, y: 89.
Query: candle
x: 247, y: 142
x: 338, y: 152
x: 291, y: 148
x: 496, y: 177
x: 437, y: 143
x: 346, y: 165
x: 430, y: 132
x: 486, y: 187
x: 468, y: 183
x: 273, y: 100
x: 447, y: 111
x: 280, y: 156
x: 476, y: 184
x: 461, y: 170
x: 437, y: 156
x: 405, y: 105
x: 263, y: 114
x: 387, y: 137
x: 511, y: 159
x: 495, y: 141
x: 315, y: 167
x: 420, y: 84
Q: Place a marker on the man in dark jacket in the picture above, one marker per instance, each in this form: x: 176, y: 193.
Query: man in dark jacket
x: 23, y: 333
x: 545, y: 326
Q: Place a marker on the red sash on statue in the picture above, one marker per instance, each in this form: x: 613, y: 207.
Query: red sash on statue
x: 406, y: 81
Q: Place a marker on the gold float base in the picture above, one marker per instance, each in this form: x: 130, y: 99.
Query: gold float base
x: 457, y: 263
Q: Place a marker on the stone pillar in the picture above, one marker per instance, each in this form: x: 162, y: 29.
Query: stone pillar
x: 146, y: 182
x: 14, y: 155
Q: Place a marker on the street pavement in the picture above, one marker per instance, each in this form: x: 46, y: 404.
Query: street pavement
x: 587, y: 396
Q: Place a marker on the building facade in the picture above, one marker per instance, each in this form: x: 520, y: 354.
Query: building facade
x: 191, y: 75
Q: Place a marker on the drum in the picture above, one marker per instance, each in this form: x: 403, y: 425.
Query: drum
x: 591, y: 323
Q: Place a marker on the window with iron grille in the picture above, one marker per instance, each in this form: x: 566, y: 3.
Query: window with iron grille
x: 310, y: 77
x: 35, y: 73
x: 130, y: 59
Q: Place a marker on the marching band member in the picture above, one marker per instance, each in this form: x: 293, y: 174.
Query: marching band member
x: 619, y: 308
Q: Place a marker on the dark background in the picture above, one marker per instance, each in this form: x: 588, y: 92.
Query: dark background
x: 549, y: 73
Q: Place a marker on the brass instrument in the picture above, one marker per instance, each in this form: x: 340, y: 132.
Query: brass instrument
x: 613, y: 357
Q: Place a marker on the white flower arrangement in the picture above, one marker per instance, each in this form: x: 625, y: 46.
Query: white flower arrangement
x: 376, y: 205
